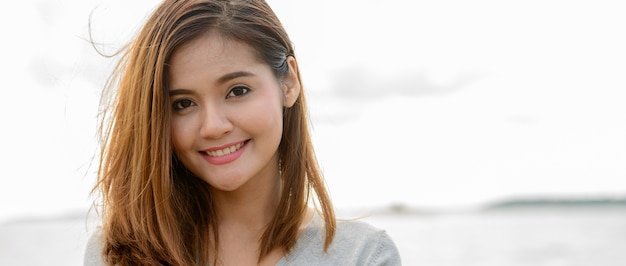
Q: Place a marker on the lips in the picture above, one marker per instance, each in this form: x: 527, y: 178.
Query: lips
x: 224, y: 154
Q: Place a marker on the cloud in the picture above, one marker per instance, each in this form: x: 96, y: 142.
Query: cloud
x: 46, y: 70
x: 365, y: 83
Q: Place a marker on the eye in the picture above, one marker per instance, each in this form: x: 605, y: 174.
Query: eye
x: 182, y: 104
x: 238, y: 91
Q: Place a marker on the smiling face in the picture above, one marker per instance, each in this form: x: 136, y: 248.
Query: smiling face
x: 227, y: 109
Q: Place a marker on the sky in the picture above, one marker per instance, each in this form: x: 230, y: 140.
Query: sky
x: 427, y: 103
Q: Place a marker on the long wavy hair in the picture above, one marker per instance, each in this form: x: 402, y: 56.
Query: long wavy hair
x: 154, y: 210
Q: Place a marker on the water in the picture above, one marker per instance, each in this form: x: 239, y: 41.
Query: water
x: 548, y: 237
x: 537, y: 237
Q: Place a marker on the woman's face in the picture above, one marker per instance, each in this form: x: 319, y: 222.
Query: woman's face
x: 227, y: 111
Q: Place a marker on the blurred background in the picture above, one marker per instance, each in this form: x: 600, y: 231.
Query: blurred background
x: 475, y: 132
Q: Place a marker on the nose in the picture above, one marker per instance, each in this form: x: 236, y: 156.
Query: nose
x: 215, y: 122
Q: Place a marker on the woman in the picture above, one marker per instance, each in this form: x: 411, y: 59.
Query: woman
x: 207, y: 158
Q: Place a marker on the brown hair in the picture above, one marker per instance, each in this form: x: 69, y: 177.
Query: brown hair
x: 154, y: 210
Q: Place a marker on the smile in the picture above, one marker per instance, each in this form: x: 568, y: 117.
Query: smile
x: 225, y: 154
x: 225, y: 151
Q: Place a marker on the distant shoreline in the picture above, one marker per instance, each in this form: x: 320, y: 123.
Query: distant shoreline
x: 521, y: 203
x: 556, y: 202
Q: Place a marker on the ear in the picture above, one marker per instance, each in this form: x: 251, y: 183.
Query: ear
x: 291, y: 83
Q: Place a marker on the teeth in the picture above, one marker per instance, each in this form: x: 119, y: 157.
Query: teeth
x: 224, y: 151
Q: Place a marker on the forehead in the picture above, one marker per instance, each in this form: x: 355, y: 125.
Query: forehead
x: 212, y: 48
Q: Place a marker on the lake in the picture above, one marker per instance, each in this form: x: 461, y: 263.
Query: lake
x: 537, y: 237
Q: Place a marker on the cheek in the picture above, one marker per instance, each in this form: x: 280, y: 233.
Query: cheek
x: 181, y: 138
x: 266, y: 116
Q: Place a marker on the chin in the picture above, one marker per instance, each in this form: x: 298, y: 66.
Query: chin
x: 226, y: 186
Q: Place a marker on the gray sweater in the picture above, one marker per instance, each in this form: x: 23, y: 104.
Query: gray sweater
x: 355, y: 243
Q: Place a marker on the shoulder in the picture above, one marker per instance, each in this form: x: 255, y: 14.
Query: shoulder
x: 93, y: 250
x: 371, y: 245
x: 355, y: 243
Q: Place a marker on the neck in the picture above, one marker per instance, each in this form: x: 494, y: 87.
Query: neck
x: 251, y: 206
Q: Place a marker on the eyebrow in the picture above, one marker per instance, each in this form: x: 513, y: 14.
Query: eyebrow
x: 180, y: 91
x: 223, y: 79
x: 232, y: 76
